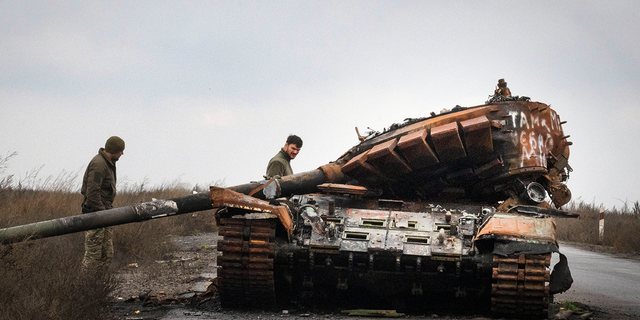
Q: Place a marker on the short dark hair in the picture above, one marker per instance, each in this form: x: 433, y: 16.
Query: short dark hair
x: 295, y: 140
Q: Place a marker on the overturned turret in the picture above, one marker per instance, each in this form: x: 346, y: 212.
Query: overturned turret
x: 512, y: 150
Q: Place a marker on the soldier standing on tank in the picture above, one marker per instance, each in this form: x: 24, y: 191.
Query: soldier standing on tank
x: 502, y: 89
x: 279, y: 165
x: 99, y: 190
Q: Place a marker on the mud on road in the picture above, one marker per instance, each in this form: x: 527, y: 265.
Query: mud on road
x: 176, y: 289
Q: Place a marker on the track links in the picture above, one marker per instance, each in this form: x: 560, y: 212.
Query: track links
x: 520, y: 286
x: 245, y: 268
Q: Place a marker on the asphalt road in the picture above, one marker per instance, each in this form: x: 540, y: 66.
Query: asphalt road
x: 602, y: 280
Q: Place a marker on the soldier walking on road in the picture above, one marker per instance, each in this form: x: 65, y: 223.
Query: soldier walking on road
x: 99, y: 190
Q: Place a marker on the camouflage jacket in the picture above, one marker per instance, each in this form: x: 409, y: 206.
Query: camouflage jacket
x: 99, y: 183
x: 279, y: 165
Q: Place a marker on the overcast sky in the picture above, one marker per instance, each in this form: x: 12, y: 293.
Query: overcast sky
x: 207, y: 91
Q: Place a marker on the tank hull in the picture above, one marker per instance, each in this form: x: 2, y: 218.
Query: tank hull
x: 388, y: 253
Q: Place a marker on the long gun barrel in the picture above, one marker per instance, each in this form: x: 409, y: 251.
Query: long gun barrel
x: 216, y: 198
x: 299, y: 183
x: 100, y: 219
x: 302, y: 182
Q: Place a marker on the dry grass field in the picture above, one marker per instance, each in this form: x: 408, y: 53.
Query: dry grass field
x: 41, y: 279
x: 621, y: 226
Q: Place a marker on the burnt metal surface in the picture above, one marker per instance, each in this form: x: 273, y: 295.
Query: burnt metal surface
x: 416, y: 150
x: 366, y: 243
x: 474, y: 149
x: 520, y: 286
x: 446, y: 139
x: 521, y: 227
x: 245, y: 266
x: 221, y: 197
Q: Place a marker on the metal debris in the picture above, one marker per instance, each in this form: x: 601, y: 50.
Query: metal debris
x: 373, y: 313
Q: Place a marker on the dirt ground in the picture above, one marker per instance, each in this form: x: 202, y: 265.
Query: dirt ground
x: 177, y: 289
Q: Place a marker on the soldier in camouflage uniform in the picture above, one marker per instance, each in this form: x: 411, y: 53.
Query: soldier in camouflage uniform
x: 99, y: 190
x: 279, y: 165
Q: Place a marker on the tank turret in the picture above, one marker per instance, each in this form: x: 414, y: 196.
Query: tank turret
x: 513, y: 151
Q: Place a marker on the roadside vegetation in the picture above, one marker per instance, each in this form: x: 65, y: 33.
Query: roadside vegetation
x: 41, y: 279
x: 621, y: 226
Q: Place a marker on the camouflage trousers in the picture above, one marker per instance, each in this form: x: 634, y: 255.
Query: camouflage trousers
x: 98, y: 250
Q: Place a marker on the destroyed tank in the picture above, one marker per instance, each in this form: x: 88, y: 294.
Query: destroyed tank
x: 458, y: 205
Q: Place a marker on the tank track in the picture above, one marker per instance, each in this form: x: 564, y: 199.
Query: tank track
x: 245, y: 268
x: 520, y: 286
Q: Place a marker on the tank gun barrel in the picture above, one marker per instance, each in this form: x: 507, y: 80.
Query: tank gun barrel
x: 299, y: 183
x: 304, y: 182
x: 100, y: 219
